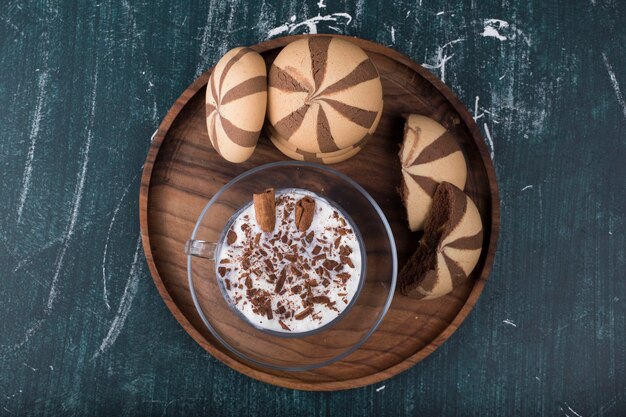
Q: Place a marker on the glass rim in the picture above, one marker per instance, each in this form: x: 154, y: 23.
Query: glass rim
x: 394, y: 261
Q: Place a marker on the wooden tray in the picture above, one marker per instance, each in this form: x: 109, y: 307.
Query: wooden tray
x: 182, y: 171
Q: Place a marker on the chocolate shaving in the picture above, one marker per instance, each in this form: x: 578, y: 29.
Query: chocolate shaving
x: 309, y: 237
x: 281, y: 281
x: 296, y: 289
x: 257, y: 239
x: 330, y: 264
x: 290, y: 257
x: 245, y: 263
x: 296, y: 271
x: 231, y: 237
x: 227, y: 282
x: 346, y: 260
x: 344, y: 276
x: 248, y: 282
x: 221, y: 270
x: 265, y: 209
x: 301, y: 315
x: 283, y: 325
x: 305, y: 210
x: 312, y: 282
x: 316, y: 250
x: 345, y: 250
x: 320, y: 299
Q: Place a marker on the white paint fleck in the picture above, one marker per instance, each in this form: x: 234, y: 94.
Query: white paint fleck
x: 540, y: 203
x: 29, y: 367
x: 476, y: 115
x: 502, y: 30
x: 35, y: 126
x: 130, y: 291
x: 440, y: 13
x: 335, y: 28
x: 153, y: 135
x: 489, y: 140
x: 614, y: 83
x: 51, y: 367
x: 528, y: 187
x: 407, y: 14
x: 393, y: 35
x: 321, y: 4
x: 492, y: 32
x: 441, y: 58
x: 105, y: 293
x: 34, y: 328
x: 572, y: 410
x: 379, y: 389
x: 206, y: 42
x: 78, y: 196
x: 309, y: 24
x: 509, y: 322
x: 34, y: 255
x: 537, y: 378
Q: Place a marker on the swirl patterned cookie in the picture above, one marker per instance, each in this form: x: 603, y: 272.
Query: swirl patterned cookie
x: 236, y: 99
x: 449, y: 249
x: 429, y: 155
x: 299, y: 155
x: 324, y: 94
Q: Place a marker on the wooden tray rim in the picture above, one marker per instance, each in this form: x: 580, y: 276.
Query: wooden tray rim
x: 280, y: 380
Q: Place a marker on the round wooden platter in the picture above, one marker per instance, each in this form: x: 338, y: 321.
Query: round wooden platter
x: 182, y: 172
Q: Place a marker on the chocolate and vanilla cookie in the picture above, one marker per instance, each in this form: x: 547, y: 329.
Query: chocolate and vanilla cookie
x: 449, y: 248
x: 324, y: 94
x: 429, y: 155
x: 236, y: 99
x: 321, y: 158
x: 317, y: 158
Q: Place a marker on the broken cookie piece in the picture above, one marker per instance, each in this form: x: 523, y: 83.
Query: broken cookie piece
x: 449, y: 249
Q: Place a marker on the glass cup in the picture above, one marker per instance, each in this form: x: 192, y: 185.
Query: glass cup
x: 305, y: 350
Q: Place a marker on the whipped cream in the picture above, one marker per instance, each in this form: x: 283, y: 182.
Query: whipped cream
x: 287, y: 280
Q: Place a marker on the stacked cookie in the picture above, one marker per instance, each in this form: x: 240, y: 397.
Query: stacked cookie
x: 434, y: 173
x: 325, y: 99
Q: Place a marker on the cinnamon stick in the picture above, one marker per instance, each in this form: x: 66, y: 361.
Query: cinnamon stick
x: 305, y: 210
x: 265, y: 209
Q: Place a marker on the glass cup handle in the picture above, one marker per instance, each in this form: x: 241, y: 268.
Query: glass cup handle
x: 201, y: 249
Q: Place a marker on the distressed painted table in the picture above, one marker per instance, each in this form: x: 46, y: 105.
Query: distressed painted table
x: 83, y: 87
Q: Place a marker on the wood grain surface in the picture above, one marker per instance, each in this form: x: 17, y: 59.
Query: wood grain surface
x: 182, y: 172
x: 84, y: 85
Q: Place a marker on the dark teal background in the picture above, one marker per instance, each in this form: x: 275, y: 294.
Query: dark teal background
x: 83, y: 85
